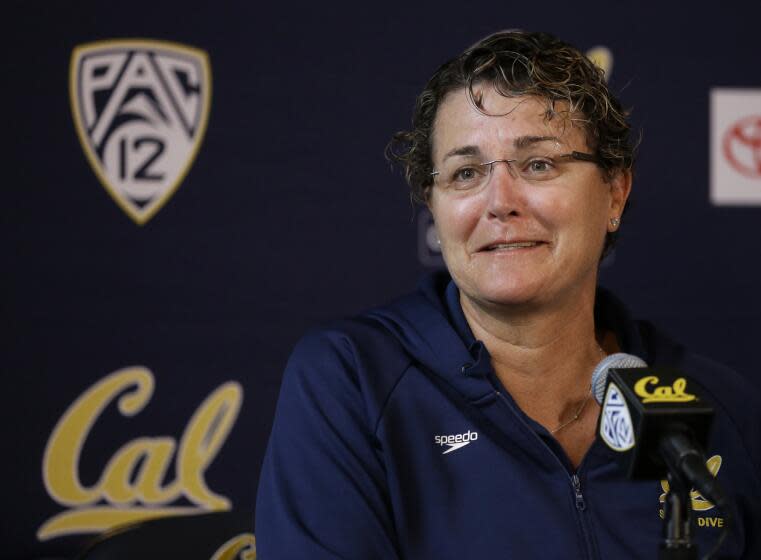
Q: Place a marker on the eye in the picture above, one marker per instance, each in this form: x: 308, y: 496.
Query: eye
x: 540, y: 166
x: 467, y: 177
x: 465, y: 174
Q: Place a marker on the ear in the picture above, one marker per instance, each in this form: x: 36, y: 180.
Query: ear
x: 620, y: 188
x: 429, y: 200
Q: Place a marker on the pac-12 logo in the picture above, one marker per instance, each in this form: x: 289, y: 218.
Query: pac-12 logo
x: 140, y: 109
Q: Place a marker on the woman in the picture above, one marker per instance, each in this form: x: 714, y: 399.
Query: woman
x: 457, y: 422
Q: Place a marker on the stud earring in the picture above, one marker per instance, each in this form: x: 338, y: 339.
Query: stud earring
x: 615, y: 222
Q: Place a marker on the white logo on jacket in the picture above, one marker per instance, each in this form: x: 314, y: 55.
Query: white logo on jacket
x: 455, y: 441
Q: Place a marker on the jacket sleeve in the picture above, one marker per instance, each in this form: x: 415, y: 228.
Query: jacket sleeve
x: 322, y: 492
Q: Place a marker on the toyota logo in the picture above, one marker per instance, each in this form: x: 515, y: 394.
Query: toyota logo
x: 742, y: 146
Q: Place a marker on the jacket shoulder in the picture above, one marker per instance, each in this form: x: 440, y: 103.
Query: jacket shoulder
x: 357, y: 357
x: 735, y: 398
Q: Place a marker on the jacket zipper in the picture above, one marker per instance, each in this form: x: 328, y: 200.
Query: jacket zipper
x: 581, y: 504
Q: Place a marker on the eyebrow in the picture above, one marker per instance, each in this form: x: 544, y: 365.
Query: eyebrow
x: 463, y: 151
x: 526, y: 141
x: 520, y: 143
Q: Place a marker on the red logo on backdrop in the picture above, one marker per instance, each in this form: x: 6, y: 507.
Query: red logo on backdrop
x: 742, y: 146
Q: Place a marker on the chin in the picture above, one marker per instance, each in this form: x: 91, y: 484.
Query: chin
x: 507, y: 293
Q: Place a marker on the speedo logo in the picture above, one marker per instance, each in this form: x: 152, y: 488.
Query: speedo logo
x: 455, y: 441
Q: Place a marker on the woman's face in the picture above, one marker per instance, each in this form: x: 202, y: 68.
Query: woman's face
x: 516, y: 241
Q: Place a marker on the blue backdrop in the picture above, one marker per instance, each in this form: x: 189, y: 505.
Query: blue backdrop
x: 288, y: 216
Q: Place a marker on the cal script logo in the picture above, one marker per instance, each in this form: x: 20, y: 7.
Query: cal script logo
x: 602, y: 58
x: 736, y: 147
x: 648, y: 391
x: 134, y: 484
x: 140, y: 110
x: 240, y: 547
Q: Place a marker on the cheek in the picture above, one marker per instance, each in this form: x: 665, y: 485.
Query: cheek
x: 551, y: 210
x: 455, y: 220
x: 586, y: 219
x: 574, y: 218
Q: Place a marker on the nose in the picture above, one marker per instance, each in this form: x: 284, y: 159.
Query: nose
x: 505, y: 192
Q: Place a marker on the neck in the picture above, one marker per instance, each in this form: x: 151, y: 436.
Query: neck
x: 544, y: 356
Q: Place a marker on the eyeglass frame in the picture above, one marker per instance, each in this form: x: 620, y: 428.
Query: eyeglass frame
x: 578, y: 156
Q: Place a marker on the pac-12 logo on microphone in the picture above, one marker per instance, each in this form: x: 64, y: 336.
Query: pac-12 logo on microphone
x: 616, y: 428
x: 140, y: 109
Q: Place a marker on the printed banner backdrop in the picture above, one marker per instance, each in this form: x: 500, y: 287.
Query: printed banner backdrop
x: 189, y: 187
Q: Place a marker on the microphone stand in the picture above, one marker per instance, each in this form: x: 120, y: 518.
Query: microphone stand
x: 677, y: 520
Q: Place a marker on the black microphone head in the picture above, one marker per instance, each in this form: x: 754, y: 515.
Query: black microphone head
x: 614, y: 361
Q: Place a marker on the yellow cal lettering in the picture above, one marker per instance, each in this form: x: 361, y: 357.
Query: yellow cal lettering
x: 205, y: 434
x: 675, y: 393
x: 602, y: 57
x: 157, y: 459
x: 133, y: 477
x: 152, y: 455
x: 240, y: 547
x: 60, y: 464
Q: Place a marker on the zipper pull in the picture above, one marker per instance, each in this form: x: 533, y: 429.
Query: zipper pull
x: 580, y: 503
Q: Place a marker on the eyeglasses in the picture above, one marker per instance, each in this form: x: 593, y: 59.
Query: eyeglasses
x: 534, y: 168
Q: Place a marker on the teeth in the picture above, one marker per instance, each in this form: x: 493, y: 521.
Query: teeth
x: 514, y: 245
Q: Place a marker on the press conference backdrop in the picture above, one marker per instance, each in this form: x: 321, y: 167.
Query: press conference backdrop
x: 187, y: 187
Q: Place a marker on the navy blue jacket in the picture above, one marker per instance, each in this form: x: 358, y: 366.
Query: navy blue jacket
x: 394, y: 439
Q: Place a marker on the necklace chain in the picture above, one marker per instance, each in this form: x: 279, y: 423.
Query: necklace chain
x: 579, y: 410
x: 575, y: 416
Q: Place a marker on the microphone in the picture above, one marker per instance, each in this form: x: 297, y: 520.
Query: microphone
x: 656, y: 421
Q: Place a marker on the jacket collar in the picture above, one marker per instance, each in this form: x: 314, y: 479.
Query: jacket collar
x: 431, y: 326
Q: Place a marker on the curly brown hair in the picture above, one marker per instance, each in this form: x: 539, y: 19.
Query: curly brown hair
x: 520, y: 63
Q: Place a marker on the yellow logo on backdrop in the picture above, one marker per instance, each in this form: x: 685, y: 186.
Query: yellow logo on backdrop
x: 699, y: 503
x: 240, y: 547
x: 675, y: 393
x: 602, y: 57
x: 131, y: 486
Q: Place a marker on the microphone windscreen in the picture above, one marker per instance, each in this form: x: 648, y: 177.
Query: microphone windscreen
x: 614, y: 361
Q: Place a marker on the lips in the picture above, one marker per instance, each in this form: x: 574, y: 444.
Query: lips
x: 510, y: 245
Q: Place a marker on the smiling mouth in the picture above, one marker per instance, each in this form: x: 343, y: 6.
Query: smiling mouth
x: 512, y: 246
